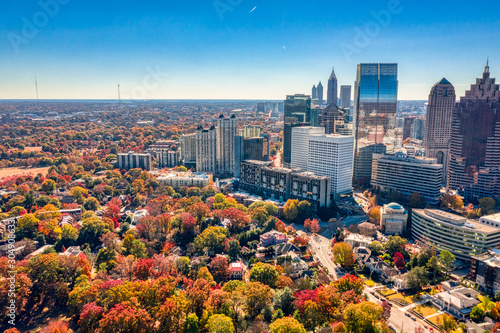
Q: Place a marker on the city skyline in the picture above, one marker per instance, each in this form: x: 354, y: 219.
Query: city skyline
x: 244, y: 51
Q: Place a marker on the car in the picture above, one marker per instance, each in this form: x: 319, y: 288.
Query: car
x: 372, y: 292
x: 408, y: 315
x: 413, y: 318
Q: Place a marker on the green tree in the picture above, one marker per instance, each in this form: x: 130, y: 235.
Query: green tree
x: 220, y: 323
x: 446, y: 258
x: 287, y: 325
x: 211, y: 238
x: 417, y: 200
x: 433, y: 264
x: 234, y: 249
x: 417, y: 278
x: 486, y: 304
x: 395, y: 244
x: 92, y: 229
x: 264, y: 273
x: 27, y: 226
x: 49, y: 186
x: 91, y: 204
x: 477, y: 315
x: 283, y: 300
x: 191, y: 325
x: 487, y: 205
x: 304, y: 210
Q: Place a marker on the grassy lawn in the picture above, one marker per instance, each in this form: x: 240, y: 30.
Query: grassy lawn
x: 387, y: 292
x: 425, y: 310
x: 436, y: 320
x: 408, y: 299
x: 369, y: 283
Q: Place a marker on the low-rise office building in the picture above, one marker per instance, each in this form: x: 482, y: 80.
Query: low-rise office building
x: 393, y: 219
x: 189, y: 179
x: 407, y: 175
x: 463, y: 237
x: 281, y: 184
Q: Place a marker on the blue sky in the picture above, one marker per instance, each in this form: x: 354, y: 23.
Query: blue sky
x: 84, y: 48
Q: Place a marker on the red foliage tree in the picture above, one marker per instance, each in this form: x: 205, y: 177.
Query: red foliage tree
x: 144, y: 269
x: 219, y: 267
x: 304, y: 296
x: 399, y: 260
x: 125, y: 318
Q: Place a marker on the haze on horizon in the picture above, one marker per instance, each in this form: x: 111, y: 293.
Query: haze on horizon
x: 237, y: 49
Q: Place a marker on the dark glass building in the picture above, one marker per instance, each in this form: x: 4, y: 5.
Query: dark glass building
x: 298, y: 112
x: 474, y: 165
x: 374, y: 116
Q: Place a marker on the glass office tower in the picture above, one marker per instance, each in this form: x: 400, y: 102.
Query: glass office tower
x: 375, y: 105
x: 297, y: 113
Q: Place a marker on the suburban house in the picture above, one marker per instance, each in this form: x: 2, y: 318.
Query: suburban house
x: 272, y: 238
x: 236, y: 270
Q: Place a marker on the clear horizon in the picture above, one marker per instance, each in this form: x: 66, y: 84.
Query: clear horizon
x: 246, y: 51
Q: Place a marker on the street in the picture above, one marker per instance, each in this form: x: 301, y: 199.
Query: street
x: 320, y: 247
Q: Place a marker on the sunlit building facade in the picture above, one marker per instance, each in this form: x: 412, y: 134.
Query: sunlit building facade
x: 375, y: 106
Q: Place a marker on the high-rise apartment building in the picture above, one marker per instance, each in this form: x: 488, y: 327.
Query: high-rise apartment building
x: 206, y: 149
x: 407, y: 175
x: 188, y: 149
x: 320, y: 93
x: 474, y: 165
x: 297, y: 113
x: 438, y: 122
x: 345, y: 96
x: 375, y: 106
x: 131, y: 160
x: 300, y: 145
x: 331, y: 156
x: 226, y: 131
x: 332, y: 89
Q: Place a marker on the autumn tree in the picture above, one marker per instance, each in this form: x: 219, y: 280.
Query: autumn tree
x: 172, y: 314
x: 342, y: 254
x: 92, y: 230
x: 312, y: 225
x: 91, y: 204
x: 79, y: 194
x: 219, y: 267
x: 399, y: 260
x: 362, y: 317
x: 211, y: 238
x: 287, y: 325
x: 126, y: 318
x: 220, y: 323
x: 290, y: 210
x: 258, y: 296
x: 264, y: 273
x: 200, y: 211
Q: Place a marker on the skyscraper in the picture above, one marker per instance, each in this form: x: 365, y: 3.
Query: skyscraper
x: 314, y: 92
x: 226, y: 131
x: 297, y: 113
x: 345, y: 96
x: 300, y: 144
x: 332, y: 119
x: 438, y: 123
x: 375, y: 105
x: 332, y: 93
x: 206, y: 149
x: 474, y: 165
x: 320, y: 93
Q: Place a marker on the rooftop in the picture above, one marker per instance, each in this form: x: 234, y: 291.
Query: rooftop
x: 458, y: 221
